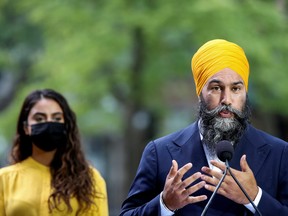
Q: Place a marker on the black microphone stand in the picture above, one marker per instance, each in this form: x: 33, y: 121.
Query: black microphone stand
x: 242, y: 189
x: 215, y: 191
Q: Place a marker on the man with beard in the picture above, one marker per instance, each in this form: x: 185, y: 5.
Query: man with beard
x: 214, y: 128
x: 260, y: 163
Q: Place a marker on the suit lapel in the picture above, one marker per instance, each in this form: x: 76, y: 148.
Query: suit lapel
x: 187, y: 148
x: 255, y: 148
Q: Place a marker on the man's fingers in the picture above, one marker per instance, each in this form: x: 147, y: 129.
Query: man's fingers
x: 180, y: 173
x: 210, y: 180
x: 195, y: 187
x: 243, y: 163
x: 194, y: 199
x: 191, y: 179
x: 218, y: 164
x: 213, y: 188
x: 173, y: 169
x: 211, y: 172
x: 178, y: 193
x: 188, y: 181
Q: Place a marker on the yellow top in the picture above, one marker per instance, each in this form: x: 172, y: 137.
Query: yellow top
x: 25, y: 188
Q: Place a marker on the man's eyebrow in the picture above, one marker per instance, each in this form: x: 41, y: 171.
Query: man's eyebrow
x: 239, y: 82
x: 214, y: 81
x: 218, y: 81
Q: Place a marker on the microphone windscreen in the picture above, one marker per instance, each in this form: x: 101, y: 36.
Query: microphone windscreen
x: 224, y: 150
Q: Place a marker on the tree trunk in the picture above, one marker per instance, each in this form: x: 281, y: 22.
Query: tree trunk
x: 138, y: 122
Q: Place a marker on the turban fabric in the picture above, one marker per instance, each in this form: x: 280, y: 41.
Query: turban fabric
x: 216, y: 55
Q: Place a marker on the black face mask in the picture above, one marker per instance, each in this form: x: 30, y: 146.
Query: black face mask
x: 49, y: 135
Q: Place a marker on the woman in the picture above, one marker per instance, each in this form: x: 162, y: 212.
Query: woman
x: 49, y: 174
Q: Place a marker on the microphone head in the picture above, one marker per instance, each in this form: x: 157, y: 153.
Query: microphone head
x: 224, y: 150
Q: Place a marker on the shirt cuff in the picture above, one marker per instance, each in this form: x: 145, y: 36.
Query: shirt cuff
x: 256, y: 201
x: 164, y: 210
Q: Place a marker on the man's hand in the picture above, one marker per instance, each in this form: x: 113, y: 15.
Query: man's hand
x: 176, y: 193
x: 229, y: 187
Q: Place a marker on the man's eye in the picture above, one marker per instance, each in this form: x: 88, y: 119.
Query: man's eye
x: 216, y: 88
x: 236, y: 89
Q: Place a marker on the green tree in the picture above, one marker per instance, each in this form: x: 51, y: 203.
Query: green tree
x: 124, y: 64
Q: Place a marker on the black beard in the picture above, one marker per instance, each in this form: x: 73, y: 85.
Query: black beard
x: 215, y: 128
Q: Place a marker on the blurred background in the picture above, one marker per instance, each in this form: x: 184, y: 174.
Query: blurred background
x: 124, y: 66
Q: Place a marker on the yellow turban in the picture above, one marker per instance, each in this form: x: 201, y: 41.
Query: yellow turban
x: 214, y: 56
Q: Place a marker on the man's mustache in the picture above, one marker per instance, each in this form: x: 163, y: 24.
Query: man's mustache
x: 221, y: 108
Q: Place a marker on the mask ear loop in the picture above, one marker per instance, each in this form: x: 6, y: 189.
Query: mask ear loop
x: 25, y: 127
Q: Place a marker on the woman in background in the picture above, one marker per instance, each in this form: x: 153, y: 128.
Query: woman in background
x: 49, y: 174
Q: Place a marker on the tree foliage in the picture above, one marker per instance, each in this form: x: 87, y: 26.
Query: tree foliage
x: 121, y: 60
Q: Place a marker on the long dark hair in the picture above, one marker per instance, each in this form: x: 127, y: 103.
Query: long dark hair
x: 71, y: 174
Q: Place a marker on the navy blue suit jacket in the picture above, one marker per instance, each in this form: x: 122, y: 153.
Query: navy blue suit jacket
x: 267, y: 156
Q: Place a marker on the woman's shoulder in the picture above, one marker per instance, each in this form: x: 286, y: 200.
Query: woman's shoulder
x: 23, y: 166
x: 98, y: 179
x: 96, y: 173
x: 9, y: 169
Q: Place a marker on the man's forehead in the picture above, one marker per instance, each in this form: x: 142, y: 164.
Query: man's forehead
x: 226, y: 75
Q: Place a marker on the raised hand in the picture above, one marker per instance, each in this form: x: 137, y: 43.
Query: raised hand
x: 176, y: 193
x: 229, y: 187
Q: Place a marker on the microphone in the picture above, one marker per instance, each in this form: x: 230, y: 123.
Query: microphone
x: 225, y: 151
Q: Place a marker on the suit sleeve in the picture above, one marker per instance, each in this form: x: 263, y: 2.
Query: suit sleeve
x: 278, y: 205
x: 143, y: 197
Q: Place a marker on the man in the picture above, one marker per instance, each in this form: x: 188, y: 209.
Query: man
x: 260, y: 162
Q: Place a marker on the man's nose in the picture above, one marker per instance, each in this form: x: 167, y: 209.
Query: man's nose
x: 226, y: 97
